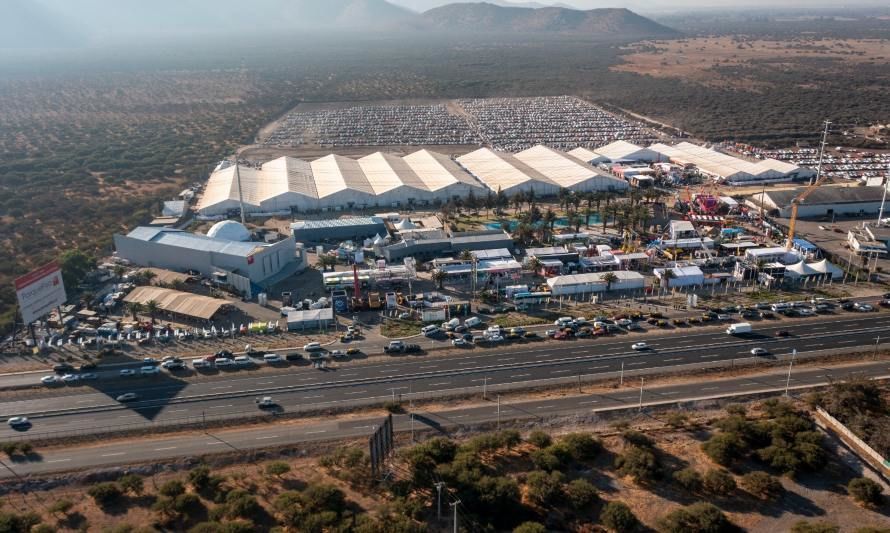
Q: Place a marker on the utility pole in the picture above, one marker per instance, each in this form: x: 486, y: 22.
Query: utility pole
x: 412, y: 428
x: 642, y: 381
x: 788, y: 378
x: 877, y: 342
x: 621, y: 383
x: 485, y: 388
x: 579, y: 382
x: 439, y: 486
x: 455, y: 504
x: 499, y: 411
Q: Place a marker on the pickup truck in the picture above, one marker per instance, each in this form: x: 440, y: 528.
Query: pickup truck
x: 401, y: 347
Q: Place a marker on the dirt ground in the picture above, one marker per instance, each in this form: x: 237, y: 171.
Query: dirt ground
x: 693, y: 59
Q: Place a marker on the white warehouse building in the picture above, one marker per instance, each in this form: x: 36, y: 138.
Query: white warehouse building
x: 615, y: 152
x: 580, y: 284
x: 728, y: 168
x: 336, y: 182
x: 568, y: 172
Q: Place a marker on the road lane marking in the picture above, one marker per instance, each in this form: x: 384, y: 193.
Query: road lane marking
x: 59, y: 461
x: 313, y: 397
x: 636, y: 363
x: 459, y: 416
x: 219, y: 406
x: 167, y: 448
x: 814, y: 345
x: 588, y: 402
x: 598, y: 367
x: 178, y: 411
x: 429, y: 366
x: 213, y: 443
x: 265, y: 382
x: 715, y: 355
x: 711, y: 388
x: 507, y: 359
x: 356, y: 392
x: 269, y: 437
x: 389, y: 371
x: 113, y: 454
x: 562, y: 371
x: 674, y: 359
x: 348, y: 375
x: 440, y: 383
x: 545, y: 407
x: 520, y: 375
x: 316, y: 432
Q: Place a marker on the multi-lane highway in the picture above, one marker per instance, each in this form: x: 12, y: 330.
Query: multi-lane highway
x: 152, y: 449
x: 166, y: 398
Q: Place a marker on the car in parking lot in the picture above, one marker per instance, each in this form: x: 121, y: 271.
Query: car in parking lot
x: 149, y: 370
x: 313, y: 347
x: 847, y: 305
x: 863, y: 307
x: 88, y: 366
x: 460, y: 342
x: 759, y: 351
x: 127, y: 397
x: 272, y: 358
x: 530, y: 335
x: 89, y: 376
x: 18, y: 421
x: 243, y: 360
x: 49, y: 380
x: 63, y: 368
x: 125, y: 372
x: 640, y: 346
x: 70, y: 378
x: 783, y: 333
x: 353, y: 351
x: 173, y: 365
x: 224, y: 362
x: 338, y: 353
x: 149, y: 361
x: 495, y: 338
x: 293, y: 356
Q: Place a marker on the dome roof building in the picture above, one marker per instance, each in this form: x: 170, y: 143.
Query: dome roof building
x: 229, y: 230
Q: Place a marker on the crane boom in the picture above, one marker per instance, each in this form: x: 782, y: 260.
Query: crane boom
x: 792, y: 222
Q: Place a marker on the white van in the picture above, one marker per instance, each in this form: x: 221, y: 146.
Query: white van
x: 472, y: 322
x: 272, y: 358
x: 451, y: 324
x: 199, y: 362
x: 429, y: 330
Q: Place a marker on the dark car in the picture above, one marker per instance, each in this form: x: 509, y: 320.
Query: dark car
x: 225, y: 353
x: 293, y: 356
x: 885, y: 302
x: 412, y: 348
x: 783, y: 333
x: 88, y: 366
x: 848, y: 306
x: 63, y: 368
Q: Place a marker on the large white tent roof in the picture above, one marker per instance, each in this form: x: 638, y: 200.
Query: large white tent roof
x: 437, y: 171
x: 501, y: 171
x: 565, y: 170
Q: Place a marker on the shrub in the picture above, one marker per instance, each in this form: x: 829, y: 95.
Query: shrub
x: 544, y: 487
x: 199, y: 477
x: 718, y: 482
x: 105, y: 494
x: 530, y: 527
x: 736, y: 409
x: 131, y: 483
x: 724, y: 448
x: 545, y: 460
x: 618, y: 517
x: 240, y: 504
x: 498, y: 492
x: 319, y: 497
x: 689, y: 479
x: 62, y: 506
x: 17, y: 523
x: 761, y: 485
x: 393, y: 407
x: 187, y: 504
x: 636, y: 438
x: 172, y: 488
x: 277, y: 469
x: 698, y: 517
x: 42, y: 528
x: 580, y: 493
x: 289, y: 505
x: 803, y: 526
x: 676, y: 419
x: 539, y: 439
x: 865, y: 491
x: 639, y: 463
x: 581, y: 446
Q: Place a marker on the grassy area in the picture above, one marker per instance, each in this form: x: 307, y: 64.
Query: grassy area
x: 511, y: 320
x: 400, y: 328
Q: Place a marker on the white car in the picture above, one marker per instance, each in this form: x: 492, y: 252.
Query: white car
x: 127, y: 372
x: 460, y: 342
x: 759, y: 351
x: 18, y: 421
x: 404, y: 316
x: 223, y: 361
x: 243, y: 360
x: 70, y: 378
x: 127, y: 397
x: 624, y: 322
x: 724, y: 317
x: 640, y: 346
x: 495, y: 338
x: 149, y: 360
x: 313, y: 347
x: 89, y: 375
x: 49, y: 380
x: 338, y: 353
x: 149, y: 370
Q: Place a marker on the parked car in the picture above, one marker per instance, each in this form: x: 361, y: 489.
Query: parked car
x: 353, y: 351
x: 88, y: 366
x: 89, y: 376
x: 49, y: 380
x: 783, y: 333
x: 127, y: 372
x: 460, y: 342
x: 63, y: 368
x: 338, y: 353
x: 313, y: 347
x: 243, y: 360
x: 863, y: 308
x: 272, y: 358
x: 127, y: 397
x: 149, y: 370
x: 223, y: 362
x: 70, y: 378
x: 293, y: 356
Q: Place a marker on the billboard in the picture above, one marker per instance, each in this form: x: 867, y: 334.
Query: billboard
x: 40, y: 291
x: 381, y: 442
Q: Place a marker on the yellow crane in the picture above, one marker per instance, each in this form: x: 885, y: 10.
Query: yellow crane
x: 806, y: 192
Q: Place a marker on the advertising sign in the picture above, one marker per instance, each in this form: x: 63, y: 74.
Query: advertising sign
x: 40, y: 291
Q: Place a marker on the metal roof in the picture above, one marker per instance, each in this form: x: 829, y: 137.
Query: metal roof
x: 336, y: 223
x: 593, y: 277
x: 827, y: 195
x: 623, y: 150
x: 438, y: 171
x: 501, y: 171
x: 193, y: 241
x: 180, y: 303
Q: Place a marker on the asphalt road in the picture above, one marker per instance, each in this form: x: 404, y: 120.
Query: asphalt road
x: 243, y: 440
x: 167, y: 399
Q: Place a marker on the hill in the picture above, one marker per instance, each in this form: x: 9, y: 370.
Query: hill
x: 486, y: 17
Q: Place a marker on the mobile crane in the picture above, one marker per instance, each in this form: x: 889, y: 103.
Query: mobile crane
x: 806, y: 192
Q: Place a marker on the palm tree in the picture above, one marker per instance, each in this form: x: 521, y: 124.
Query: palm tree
x: 575, y: 220
x: 472, y: 202
x: 489, y: 203
x: 465, y: 255
x: 535, y: 264
x: 439, y: 276
x: 609, y: 278
x: 550, y: 219
x: 667, y: 276
x: 530, y: 198
x: 563, y: 197
x: 524, y: 233
x: 152, y: 307
x: 445, y: 211
x: 500, y: 200
x: 119, y: 271
x: 518, y: 199
x: 134, y: 308
x: 144, y: 277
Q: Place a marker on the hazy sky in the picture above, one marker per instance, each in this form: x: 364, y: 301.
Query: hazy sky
x: 654, y: 5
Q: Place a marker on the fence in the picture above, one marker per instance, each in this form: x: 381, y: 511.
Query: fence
x: 400, y: 384
x: 859, y: 446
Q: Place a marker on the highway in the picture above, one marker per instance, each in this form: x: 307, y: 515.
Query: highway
x: 193, y: 444
x: 166, y: 398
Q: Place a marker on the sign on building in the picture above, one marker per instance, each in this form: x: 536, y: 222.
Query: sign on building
x: 40, y: 291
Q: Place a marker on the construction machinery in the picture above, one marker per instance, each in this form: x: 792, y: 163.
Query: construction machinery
x: 806, y: 192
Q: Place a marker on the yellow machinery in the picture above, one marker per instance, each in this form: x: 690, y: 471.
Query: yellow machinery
x: 806, y: 192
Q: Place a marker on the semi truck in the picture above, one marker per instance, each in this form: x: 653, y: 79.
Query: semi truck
x: 739, y: 329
